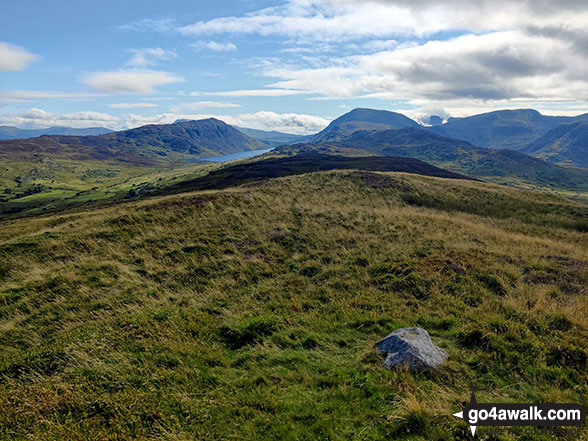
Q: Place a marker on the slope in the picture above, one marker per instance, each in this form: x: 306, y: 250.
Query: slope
x: 502, y: 129
x: 500, y: 166
x: 143, y: 145
x: 566, y: 144
x: 9, y: 132
x: 306, y: 162
x: 250, y: 313
x: 361, y: 119
x: 53, y: 172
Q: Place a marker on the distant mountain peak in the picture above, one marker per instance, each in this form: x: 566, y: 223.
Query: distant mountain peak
x: 198, y: 121
x: 501, y: 129
x: 9, y: 132
x: 363, y: 119
x: 372, y: 115
x: 206, y: 137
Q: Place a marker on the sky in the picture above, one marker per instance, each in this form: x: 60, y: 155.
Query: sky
x: 286, y: 65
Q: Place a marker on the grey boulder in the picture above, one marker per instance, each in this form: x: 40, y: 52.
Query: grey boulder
x: 412, y: 347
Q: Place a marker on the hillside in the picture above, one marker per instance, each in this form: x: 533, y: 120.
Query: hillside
x: 500, y: 166
x: 202, y: 137
x: 300, y: 163
x: 9, y: 132
x: 361, y: 120
x: 106, y: 186
x: 53, y: 172
x: 566, y: 144
x: 253, y: 310
x: 502, y: 129
x: 143, y: 145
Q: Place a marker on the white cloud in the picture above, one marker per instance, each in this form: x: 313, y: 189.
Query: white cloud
x: 423, y: 114
x: 149, y: 56
x: 494, y: 66
x: 20, y: 96
x: 464, y: 108
x: 379, y: 45
x: 337, y: 20
x: 132, y: 105
x: 251, y: 93
x: 130, y: 81
x: 214, y: 46
x: 38, y: 118
x: 15, y: 58
x: 134, y: 120
x: 532, y: 50
x: 507, y: 53
x: 284, y: 122
x: 491, y: 67
x: 264, y: 120
x: 203, y: 105
x: 164, y: 25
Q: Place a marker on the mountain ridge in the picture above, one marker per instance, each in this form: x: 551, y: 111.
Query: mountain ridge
x: 462, y: 157
x: 512, y: 129
x: 307, y: 162
x: 206, y: 137
x: 565, y: 144
x: 362, y: 119
x: 515, y: 129
x: 11, y: 132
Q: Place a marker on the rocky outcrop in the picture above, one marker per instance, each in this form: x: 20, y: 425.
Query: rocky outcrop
x: 411, y: 347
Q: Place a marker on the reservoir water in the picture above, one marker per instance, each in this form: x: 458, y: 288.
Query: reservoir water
x: 232, y: 156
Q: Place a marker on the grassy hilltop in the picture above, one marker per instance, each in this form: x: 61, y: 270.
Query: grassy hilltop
x: 251, y: 312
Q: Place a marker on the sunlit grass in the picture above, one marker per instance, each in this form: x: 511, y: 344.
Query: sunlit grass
x: 250, y: 313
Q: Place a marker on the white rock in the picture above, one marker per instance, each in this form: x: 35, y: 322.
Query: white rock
x: 412, y: 347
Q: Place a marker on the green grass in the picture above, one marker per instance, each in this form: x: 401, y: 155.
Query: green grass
x: 251, y: 312
x: 65, y: 184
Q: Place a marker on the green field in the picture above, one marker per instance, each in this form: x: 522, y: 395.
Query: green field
x: 51, y: 185
x: 251, y: 312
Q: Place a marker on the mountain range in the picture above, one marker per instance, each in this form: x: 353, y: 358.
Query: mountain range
x: 566, y: 144
x: 10, y: 132
x: 272, y: 138
x: 497, y: 165
x: 503, y: 129
x: 305, y: 162
x: 361, y: 120
x: 144, y: 144
x: 556, y: 139
x: 549, y: 160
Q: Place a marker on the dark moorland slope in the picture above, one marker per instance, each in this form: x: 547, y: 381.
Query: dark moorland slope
x: 305, y: 163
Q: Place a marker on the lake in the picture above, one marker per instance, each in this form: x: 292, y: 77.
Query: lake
x: 232, y: 156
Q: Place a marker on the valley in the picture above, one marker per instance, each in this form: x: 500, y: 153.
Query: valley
x: 55, y: 172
